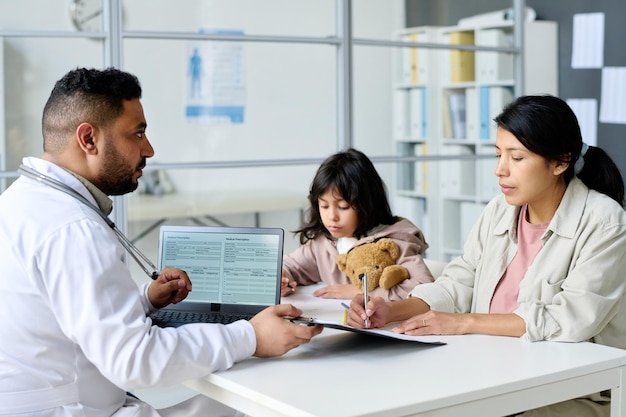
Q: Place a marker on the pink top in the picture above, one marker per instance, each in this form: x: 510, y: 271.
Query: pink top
x: 504, y: 300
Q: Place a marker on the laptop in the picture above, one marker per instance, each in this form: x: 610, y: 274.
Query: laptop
x: 235, y: 272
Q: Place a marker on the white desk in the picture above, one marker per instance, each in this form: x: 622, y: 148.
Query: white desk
x: 346, y: 374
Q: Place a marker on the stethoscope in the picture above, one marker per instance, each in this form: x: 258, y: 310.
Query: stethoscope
x: 124, y: 241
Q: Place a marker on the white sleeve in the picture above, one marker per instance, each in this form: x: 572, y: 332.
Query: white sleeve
x: 99, y: 307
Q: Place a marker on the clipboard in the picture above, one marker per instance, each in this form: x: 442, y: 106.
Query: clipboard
x: 387, y: 334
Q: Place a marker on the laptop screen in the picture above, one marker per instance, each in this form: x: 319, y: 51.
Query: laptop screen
x: 226, y: 265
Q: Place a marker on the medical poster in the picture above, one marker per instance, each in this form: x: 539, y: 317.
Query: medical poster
x: 215, y: 80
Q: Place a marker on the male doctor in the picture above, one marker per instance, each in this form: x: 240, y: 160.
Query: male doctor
x: 75, y: 334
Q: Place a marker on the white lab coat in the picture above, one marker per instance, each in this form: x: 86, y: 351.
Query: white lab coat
x: 75, y: 335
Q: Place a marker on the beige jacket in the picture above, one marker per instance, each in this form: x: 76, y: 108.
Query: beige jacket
x: 574, y: 289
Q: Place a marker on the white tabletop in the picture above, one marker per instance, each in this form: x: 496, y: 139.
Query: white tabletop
x: 346, y: 374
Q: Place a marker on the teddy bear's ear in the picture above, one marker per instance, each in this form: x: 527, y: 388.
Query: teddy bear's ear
x: 389, y: 246
x: 342, y: 258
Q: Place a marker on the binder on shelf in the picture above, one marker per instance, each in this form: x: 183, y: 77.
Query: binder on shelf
x: 483, y: 109
x: 489, y: 187
x: 492, y: 102
x: 457, y: 115
x: 418, y: 108
x: 462, y: 65
x: 459, y: 175
x: 413, y: 60
x: 421, y: 169
x: 471, y: 113
x: 406, y: 64
x: 401, y: 113
x: 443, y: 59
x: 446, y: 119
x: 470, y: 212
x: 494, y: 66
x: 423, y: 61
x: 414, y: 209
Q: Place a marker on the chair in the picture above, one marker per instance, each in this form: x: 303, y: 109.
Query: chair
x: 436, y: 267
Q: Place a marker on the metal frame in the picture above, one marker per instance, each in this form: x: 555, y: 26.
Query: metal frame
x: 114, y: 35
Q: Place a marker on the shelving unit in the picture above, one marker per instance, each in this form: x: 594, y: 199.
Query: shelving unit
x: 414, y: 125
x: 463, y: 90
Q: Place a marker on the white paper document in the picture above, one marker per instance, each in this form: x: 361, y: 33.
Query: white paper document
x: 613, y: 102
x: 588, y: 40
x: 586, y: 111
x: 388, y: 334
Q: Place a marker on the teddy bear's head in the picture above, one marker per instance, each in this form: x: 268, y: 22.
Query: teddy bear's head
x: 377, y: 260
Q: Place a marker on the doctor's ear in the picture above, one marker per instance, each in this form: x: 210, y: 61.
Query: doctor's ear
x: 85, y: 136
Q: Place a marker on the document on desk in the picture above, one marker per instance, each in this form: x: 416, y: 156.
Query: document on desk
x: 388, y: 334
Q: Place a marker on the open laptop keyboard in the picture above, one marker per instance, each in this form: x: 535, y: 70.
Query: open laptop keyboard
x: 171, y: 318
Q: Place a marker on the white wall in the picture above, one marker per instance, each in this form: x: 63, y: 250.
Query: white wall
x: 290, y: 88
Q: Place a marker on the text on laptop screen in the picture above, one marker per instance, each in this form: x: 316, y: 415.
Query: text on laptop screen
x: 225, y: 267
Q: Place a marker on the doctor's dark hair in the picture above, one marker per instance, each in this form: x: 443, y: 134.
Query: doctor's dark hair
x: 351, y: 174
x: 548, y: 127
x: 85, y: 95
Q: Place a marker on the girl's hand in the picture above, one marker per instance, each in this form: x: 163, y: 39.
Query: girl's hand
x: 287, y: 287
x: 341, y: 291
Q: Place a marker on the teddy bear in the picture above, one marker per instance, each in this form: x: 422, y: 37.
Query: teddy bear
x: 378, y: 260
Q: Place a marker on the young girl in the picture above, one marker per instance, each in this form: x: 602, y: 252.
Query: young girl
x: 349, y: 207
x: 546, y: 259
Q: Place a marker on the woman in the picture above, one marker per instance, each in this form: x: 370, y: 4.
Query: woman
x: 545, y: 260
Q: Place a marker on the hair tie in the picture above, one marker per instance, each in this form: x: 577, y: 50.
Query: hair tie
x: 580, y: 163
x: 583, y: 149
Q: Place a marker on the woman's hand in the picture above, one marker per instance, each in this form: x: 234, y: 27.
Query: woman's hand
x: 432, y: 322
x: 340, y: 291
x: 377, y: 312
x: 436, y: 322
x: 172, y: 286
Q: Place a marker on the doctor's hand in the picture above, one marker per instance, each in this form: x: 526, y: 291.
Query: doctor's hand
x: 275, y: 335
x: 172, y: 286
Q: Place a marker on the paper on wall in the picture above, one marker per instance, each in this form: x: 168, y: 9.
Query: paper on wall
x: 588, y: 40
x: 613, y: 101
x: 586, y: 111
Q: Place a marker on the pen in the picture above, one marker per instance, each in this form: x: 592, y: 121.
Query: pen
x: 345, y: 313
x: 364, y: 282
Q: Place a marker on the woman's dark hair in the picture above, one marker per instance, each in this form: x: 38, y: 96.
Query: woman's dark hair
x: 548, y: 127
x: 354, y: 177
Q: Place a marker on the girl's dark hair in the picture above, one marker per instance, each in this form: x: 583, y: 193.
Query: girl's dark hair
x: 548, y: 127
x: 354, y: 177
